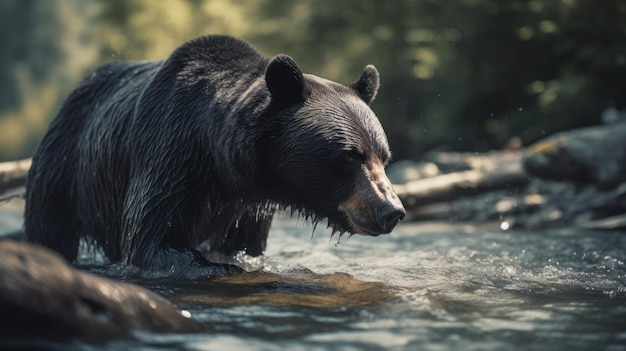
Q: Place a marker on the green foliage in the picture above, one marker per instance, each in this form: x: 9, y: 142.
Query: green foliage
x: 469, y: 74
x: 43, y: 55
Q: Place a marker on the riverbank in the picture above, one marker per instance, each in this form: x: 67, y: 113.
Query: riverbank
x: 574, y: 178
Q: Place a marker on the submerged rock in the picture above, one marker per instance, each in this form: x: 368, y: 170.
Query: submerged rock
x: 42, y: 296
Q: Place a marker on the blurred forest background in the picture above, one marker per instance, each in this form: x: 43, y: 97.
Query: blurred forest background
x: 462, y: 75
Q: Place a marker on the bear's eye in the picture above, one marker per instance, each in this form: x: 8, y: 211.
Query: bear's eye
x: 353, y: 157
x: 348, y: 161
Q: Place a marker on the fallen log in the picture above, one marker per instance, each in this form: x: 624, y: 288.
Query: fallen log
x: 13, y: 174
x: 472, y: 182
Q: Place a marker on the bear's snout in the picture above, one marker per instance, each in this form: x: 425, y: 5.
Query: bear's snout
x: 374, y: 208
x: 389, y: 214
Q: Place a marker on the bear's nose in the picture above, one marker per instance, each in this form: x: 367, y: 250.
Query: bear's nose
x: 388, y: 216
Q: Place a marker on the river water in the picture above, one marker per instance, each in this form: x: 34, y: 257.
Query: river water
x: 433, y: 286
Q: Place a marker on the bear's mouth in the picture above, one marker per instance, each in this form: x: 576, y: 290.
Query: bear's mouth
x: 365, y: 225
x: 361, y: 220
x: 373, y: 208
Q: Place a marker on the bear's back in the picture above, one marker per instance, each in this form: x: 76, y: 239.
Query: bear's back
x: 216, y: 57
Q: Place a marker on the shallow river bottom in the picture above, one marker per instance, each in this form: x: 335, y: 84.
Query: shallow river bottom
x: 424, y: 287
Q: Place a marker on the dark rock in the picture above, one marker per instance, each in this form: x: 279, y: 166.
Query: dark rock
x: 41, y: 296
x: 595, y: 155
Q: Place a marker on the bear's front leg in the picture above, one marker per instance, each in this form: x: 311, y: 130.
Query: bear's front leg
x: 153, y: 240
x: 185, y: 263
x: 247, y: 233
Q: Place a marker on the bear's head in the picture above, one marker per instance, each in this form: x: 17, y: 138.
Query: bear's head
x: 327, y: 150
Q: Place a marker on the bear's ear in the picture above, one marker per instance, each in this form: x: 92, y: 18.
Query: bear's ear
x: 284, y: 78
x: 367, y: 84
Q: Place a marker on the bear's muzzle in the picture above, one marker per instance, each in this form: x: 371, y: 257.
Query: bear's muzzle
x: 373, y: 208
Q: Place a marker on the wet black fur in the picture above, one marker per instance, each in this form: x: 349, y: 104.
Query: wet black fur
x: 149, y: 159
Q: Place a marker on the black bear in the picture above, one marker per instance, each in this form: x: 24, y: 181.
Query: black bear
x: 150, y: 159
